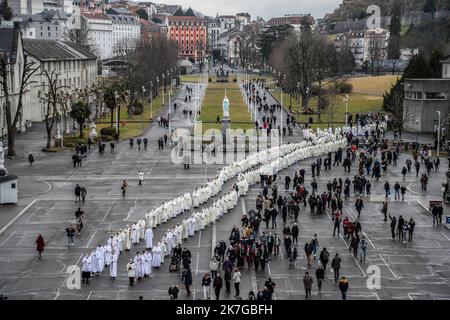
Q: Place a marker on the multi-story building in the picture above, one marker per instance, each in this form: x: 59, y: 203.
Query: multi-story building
x: 76, y: 68
x: 126, y: 30
x: 190, y: 33
x: 364, y: 44
x: 11, y: 46
x: 295, y: 20
x: 100, y: 33
x: 243, y: 18
x: 424, y: 98
x: 153, y: 30
x: 227, y: 22
x: 47, y: 25
x: 37, y: 6
x: 213, y: 33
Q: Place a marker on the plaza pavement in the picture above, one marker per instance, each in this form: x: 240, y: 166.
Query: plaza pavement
x: 418, y: 270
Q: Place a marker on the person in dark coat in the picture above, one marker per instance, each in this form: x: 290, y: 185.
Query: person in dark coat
x: 343, y: 286
x: 307, y: 282
x: 294, y: 232
x: 320, y: 274
x: 30, y: 159
x: 40, y: 245
x: 188, y: 280
x: 217, y: 284
x: 324, y: 258
x: 336, y: 265
x: 173, y: 292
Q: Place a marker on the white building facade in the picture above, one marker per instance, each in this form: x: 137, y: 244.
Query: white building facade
x: 100, y: 33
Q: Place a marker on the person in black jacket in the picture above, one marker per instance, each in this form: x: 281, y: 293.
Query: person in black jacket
x: 294, y: 232
x: 320, y: 274
x: 324, y: 258
x: 173, y: 292
x: 359, y: 204
x: 206, y: 285
x: 336, y: 265
x: 217, y: 285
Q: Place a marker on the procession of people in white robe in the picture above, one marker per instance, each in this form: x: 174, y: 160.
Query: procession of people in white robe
x: 270, y: 161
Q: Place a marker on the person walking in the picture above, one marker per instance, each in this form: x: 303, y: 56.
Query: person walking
x: 124, y: 188
x: 294, y: 233
x: 77, y: 193
x: 320, y: 275
x: 206, y: 285
x: 359, y: 204
x: 411, y: 226
x: 343, y: 286
x: 227, y: 279
x: 30, y: 159
x: 236, y: 281
x: 307, y: 283
x: 324, y: 258
x: 173, y: 292
x: 308, y: 253
x: 70, y: 232
x: 131, y: 269
x: 217, y: 285
x: 336, y: 265
x: 40, y: 245
x: 83, y: 193
x: 141, y: 177
x: 188, y: 280
x: 362, y: 249
x: 384, y: 210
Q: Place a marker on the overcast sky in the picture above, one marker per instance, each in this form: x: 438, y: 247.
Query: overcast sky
x: 264, y: 8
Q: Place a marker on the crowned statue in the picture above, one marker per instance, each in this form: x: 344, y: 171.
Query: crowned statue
x: 93, y: 133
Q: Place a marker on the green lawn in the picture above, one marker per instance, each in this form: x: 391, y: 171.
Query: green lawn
x: 357, y: 103
x: 212, y: 107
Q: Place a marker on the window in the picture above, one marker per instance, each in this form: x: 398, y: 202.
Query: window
x: 435, y: 95
x: 413, y: 95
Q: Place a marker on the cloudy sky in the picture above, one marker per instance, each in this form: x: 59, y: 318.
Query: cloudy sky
x: 264, y: 8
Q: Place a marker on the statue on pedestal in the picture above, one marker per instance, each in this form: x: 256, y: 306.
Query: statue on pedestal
x: 93, y: 133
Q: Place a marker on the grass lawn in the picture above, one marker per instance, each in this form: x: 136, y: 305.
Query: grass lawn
x: 212, y: 107
x: 132, y: 129
x: 357, y: 103
x: 373, y: 85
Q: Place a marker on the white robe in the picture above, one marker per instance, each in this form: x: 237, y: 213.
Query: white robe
x: 108, y: 251
x: 127, y: 239
x: 135, y: 234
x: 87, y: 264
x: 137, y: 263
x: 147, y: 263
x: 113, y: 265
x: 149, y: 238
x: 156, y: 256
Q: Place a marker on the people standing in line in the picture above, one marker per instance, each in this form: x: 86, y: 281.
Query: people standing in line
x: 343, y: 286
x: 336, y: 265
x: 307, y: 283
x: 40, y: 245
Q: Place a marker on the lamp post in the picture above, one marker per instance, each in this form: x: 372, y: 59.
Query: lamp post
x: 298, y: 96
x: 143, y: 102
x: 346, y: 110
x: 116, y: 97
x: 439, y: 133
x: 164, y: 86
x: 417, y: 132
x: 151, y: 100
x: 307, y: 100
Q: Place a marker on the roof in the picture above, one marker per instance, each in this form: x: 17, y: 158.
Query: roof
x: 184, y: 18
x: 446, y: 59
x: 118, y: 10
x: 289, y: 20
x: 55, y: 50
x: 94, y: 15
x: 8, y: 41
x: 7, y: 178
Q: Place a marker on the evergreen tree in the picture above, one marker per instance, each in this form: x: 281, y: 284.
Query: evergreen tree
x: 430, y: 7
x: 435, y: 63
x: 418, y: 67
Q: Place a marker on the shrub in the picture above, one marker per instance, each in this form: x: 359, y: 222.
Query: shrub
x: 105, y: 138
x: 209, y: 80
x: 345, y: 88
x: 323, y: 103
x: 108, y: 131
x: 138, y: 108
x: 71, y: 141
x: 234, y: 80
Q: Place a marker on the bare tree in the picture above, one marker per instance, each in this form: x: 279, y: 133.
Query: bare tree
x: 13, y: 116
x: 53, y: 97
x: 377, y: 54
x: 79, y: 36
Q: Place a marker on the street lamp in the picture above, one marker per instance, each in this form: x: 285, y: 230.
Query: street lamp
x: 143, y: 103
x: 116, y: 97
x: 164, y: 86
x: 298, y: 96
x: 346, y: 110
x: 417, y: 132
x: 307, y: 100
x: 439, y: 132
x: 151, y: 100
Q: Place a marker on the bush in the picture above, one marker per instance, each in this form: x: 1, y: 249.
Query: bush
x: 138, y: 108
x: 105, y: 138
x: 108, y: 131
x: 234, y: 80
x: 72, y: 141
x: 315, y: 90
x: 323, y: 103
x: 345, y: 88
x: 209, y: 80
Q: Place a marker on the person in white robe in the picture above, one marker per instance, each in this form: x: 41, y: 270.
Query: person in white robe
x: 127, y: 238
x: 137, y: 263
x: 86, y: 269
x: 179, y: 228
x: 108, y: 252
x: 156, y: 263
x: 148, y: 238
x: 134, y: 233
x: 94, y: 262
x: 113, y: 265
x: 141, y: 224
x: 100, y: 251
x: 147, y: 263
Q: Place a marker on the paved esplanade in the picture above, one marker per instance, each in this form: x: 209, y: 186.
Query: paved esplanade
x: 419, y: 270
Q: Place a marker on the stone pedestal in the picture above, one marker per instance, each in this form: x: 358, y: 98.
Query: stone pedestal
x: 225, y: 126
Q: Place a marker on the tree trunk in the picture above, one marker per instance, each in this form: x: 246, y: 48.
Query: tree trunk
x: 112, y: 117
x: 81, y: 129
x: 10, y: 128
